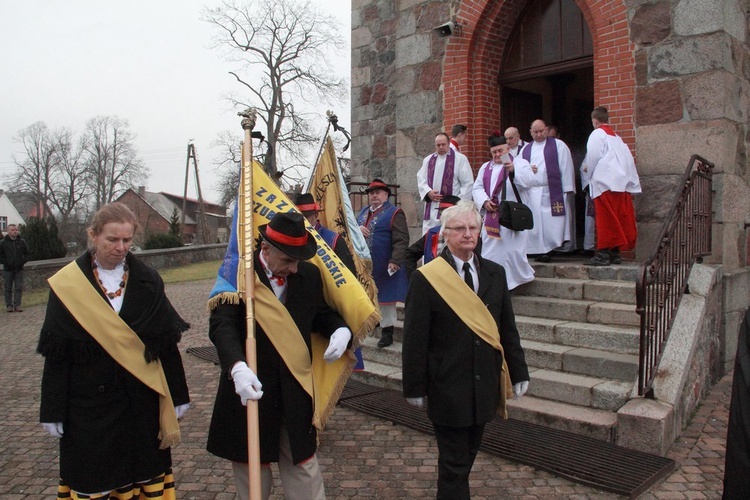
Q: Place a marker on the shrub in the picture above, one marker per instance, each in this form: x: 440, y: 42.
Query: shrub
x: 162, y: 240
x: 42, y: 239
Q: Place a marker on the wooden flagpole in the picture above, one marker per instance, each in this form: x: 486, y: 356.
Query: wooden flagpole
x: 245, y: 226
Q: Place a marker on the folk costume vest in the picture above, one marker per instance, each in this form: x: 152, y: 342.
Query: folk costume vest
x: 390, y: 288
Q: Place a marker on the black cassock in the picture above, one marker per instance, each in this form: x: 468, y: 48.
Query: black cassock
x: 737, y: 465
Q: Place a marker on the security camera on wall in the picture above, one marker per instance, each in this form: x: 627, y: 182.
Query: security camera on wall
x: 446, y: 29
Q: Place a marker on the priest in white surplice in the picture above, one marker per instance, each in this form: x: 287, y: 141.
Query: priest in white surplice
x: 552, y: 194
x: 500, y: 244
x: 445, y: 172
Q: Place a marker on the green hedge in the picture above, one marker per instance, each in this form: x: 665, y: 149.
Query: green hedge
x: 162, y: 240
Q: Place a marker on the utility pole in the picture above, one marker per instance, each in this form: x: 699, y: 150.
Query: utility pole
x: 202, y: 222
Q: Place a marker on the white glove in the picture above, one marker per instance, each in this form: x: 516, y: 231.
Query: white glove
x: 246, y: 383
x: 337, y: 345
x: 520, y: 389
x: 418, y: 402
x: 181, y: 410
x: 54, y: 429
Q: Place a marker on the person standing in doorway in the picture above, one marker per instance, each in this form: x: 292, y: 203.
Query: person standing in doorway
x: 552, y: 194
x: 459, y: 134
x: 13, y: 255
x: 514, y: 141
x: 613, y: 179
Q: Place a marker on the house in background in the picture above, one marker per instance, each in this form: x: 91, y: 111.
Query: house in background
x: 154, y: 212
x: 9, y: 213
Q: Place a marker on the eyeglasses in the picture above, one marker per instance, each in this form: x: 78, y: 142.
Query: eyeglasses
x: 463, y: 229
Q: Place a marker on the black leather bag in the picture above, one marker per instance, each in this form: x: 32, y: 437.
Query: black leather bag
x: 515, y: 215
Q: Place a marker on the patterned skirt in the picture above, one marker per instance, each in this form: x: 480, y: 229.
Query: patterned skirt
x: 161, y: 486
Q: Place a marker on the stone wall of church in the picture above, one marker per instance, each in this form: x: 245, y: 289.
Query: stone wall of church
x: 397, y: 100
x: 693, y: 97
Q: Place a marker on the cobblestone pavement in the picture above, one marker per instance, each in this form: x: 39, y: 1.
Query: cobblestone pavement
x: 361, y: 456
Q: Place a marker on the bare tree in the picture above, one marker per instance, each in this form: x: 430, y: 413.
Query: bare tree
x: 284, y: 49
x: 227, y: 166
x: 36, y: 168
x: 112, y: 161
x: 69, y: 184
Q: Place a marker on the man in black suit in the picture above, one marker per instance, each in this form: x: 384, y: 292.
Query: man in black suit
x: 459, y: 332
x: 283, y: 389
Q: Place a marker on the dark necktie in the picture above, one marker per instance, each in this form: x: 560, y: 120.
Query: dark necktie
x: 467, y: 276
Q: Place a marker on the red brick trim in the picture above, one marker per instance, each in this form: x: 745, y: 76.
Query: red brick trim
x: 471, y: 92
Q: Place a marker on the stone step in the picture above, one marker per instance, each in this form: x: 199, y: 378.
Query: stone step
x: 617, y: 339
x: 581, y: 390
x: 597, y: 424
x: 576, y: 270
x: 581, y: 360
x: 380, y: 375
x: 592, y: 422
x: 390, y: 355
x: 583, y: 311
x: 621, y: 292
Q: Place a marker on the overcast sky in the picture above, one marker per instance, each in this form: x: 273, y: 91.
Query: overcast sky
x: 148, y: 61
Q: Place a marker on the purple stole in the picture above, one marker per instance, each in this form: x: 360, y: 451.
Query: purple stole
x: 446, y: 188
x: 491, y: 220
x: 554, y: 179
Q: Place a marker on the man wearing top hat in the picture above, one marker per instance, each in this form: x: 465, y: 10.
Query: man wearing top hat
x: 384, y: 228
x: 285, y: 408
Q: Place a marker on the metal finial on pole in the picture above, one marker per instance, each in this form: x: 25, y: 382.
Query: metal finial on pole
x: 249, y: 117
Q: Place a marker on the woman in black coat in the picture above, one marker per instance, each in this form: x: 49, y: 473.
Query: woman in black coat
x: 114, y: 429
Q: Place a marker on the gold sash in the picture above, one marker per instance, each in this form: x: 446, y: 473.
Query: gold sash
x: 95, y: 315
x: 323, y: 381
x: 471, y: 310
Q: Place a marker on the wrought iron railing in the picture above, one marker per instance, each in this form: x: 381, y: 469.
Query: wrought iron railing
x: 358, y: 197
x: 662, y: 280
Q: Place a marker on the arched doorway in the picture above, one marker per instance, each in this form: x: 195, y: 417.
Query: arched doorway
x: 548, y: 72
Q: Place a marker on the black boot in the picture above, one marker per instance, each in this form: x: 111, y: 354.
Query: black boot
x: 614, y: 256
x: 602, y: 258
x: 386, y: 337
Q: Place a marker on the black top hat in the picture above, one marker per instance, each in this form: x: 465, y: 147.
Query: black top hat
x: 306, y: 204
x: 448, y: 201
x: 378, y: 184
x: 287, y: 232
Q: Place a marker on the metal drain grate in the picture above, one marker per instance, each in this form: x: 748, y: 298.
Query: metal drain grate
x: 206, y: 353
x: 577, y: 458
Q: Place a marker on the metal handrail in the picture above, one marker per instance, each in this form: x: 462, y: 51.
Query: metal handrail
x: 358, y: 196
x: 662, y: 280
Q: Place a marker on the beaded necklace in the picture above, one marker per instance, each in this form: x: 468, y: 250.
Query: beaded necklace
x: 123, y: 282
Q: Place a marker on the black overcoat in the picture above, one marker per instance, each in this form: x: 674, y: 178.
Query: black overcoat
x: 110, y: 419
x: 447, y: 362
x: 737, y: 461
x: 284, y: 399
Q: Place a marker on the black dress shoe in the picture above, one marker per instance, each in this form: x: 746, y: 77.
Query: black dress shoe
x: 614, y: 256
x: 545, y: 257
x: 600, y: 259
x: 386, y: 337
